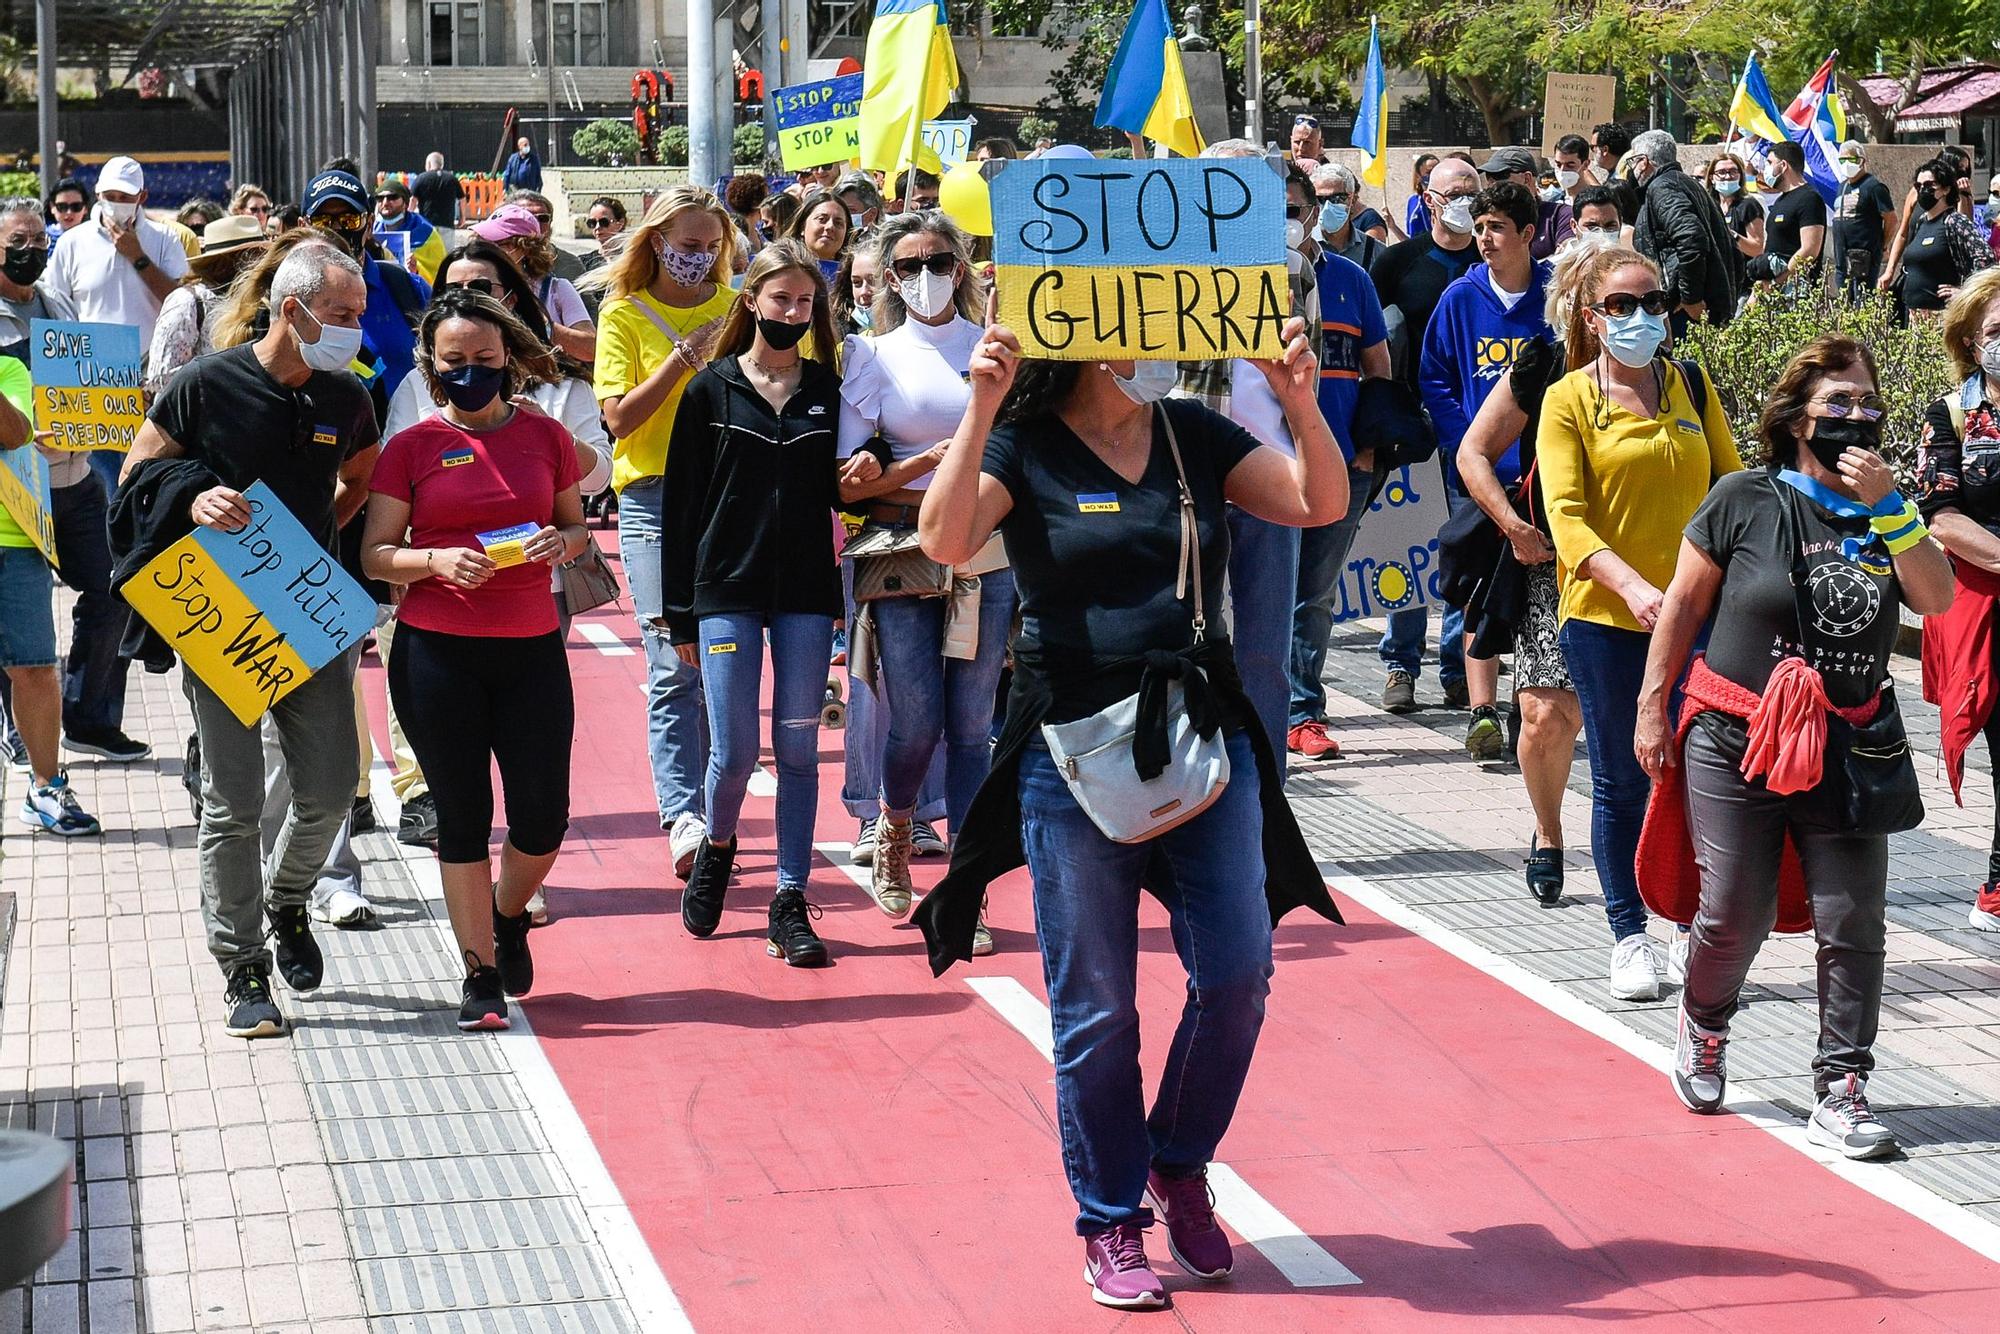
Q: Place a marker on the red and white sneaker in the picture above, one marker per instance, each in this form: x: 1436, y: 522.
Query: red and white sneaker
x: 1985, y: 913
x: 1311, y: 741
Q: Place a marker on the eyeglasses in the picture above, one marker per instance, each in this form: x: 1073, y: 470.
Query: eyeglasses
x: 599, y: 224
x: 66, y: 208
x: 1621, y: 304
x: 1310, y: 122
x: 483, y: 286
x: 1324, y: 200
x: 304, y: 420
x: 348, y: 223
x: 1600, y: 228
x: 943, y: 262
x: 541, y: 218
x: 1870, y: 406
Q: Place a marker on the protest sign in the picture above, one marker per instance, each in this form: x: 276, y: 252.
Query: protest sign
x: 1176, y: 258
x: 951, y: 140
x: 398, y: 246
x: 1393, y: 562
x: 86, y: 383
x: 252, y: 613
x: 819, y: 122
x: 24, y: 491
x: 1576, y: 104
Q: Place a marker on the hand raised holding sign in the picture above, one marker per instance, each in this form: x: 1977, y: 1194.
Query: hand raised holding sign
x: 1294, y: 376
x: 996, y: 357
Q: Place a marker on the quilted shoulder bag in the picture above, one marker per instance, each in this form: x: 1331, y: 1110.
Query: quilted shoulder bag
x: 888, y: 563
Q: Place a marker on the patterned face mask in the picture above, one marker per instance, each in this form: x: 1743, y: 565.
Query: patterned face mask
x: 689, y: 269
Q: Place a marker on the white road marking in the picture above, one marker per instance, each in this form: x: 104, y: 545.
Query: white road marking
x: 605, y: 639
x: 1303, y: 1261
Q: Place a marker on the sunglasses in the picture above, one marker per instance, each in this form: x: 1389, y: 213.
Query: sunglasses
x: 1310, y: 122
x: 483, y: 286
x: 260, y: 210
x: 65, y: 208
x: 349, y: 223
x: 943, y: 262
x: 599, y: 224
x: 1870, y: 406
x: 304, y: 421
x: 1293, y: 212
x: 1621, y: 304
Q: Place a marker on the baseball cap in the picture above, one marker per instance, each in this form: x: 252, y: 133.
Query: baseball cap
x: 121, y: 173
x: 508, y: 222
x: 392, y: 189
x: 1507, y: 161
x: 329, y: 186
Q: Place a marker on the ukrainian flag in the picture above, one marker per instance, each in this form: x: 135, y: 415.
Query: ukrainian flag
x: 1146, y: 91
x: 1754, y: 110
x: 1371, y: 121
x: 910, y: 75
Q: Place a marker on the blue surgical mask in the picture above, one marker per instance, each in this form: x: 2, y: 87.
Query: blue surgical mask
x: 1332, y: 217
x: 1727, y: 186
x: 1150, y: 381
x: 1635, y: 339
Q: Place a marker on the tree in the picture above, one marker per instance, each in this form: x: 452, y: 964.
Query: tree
x: 1905, y: 37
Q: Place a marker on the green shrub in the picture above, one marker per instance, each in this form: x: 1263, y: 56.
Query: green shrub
x: 674, y: 146
x: 1122, y: 154
x: 1036, y: 127
x: 1746, y: 358
x: 20, y: 185
x: 607, y: 143
x: 749, y: 143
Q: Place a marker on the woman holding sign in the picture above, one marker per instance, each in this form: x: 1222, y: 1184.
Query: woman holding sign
x: 469, y: 508
x: 1115, y: 599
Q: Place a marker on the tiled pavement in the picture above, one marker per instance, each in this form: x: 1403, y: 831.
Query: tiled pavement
x: 381, y: 1173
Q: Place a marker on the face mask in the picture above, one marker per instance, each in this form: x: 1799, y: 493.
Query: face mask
x: 1833, y: 435
x: 25, y: 264
x: 782, y: 335
x: 1927, y: 199
x: 928, y: 295
x: 1989, y: 359
x: 688, y: 270
x: 854, y: 220
x: 333, y: 349
x: 1149, y: 382
x: 1568, y: 179
x: 124, y: 215
x: 864, y: 318
x: 1332, y: 217
x: 1634, y: 339
x: 1457, y: 216
x: 1773, y: 173
x: 1849, y: 170
x: 1295, y: 233
x: 1726, y: 186
x: 471, y: 388
x: 1551, y: 194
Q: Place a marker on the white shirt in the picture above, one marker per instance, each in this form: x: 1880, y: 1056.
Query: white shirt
x: 1508, y: 300
x: 908, y: 385
x: 87, y: 271
x: 564, y: 303
x: 570, y: 402
x: 1254, y: 405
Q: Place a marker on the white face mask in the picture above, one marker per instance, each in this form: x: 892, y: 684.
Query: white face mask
x: 1551, y: 194
x: 1849, y: 170
x: 1149, y: 382
x: 335, y: 347
x: 1457, y: 215
x: 1568, y: 179
x: 856, y: 220
x: 1295, y: 233
x: 1773, y: 172
x: 928, y: 295
x: 1989, y: 359
x: 124, y: 215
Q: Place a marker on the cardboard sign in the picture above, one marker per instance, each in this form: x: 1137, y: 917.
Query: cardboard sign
x: 1576, y: 104
x: 819, y: 122
x: 1393, y: 562
x: 87, y: 383
x: 1177, y: 259
x: 24, y: 491
x: 397, y: 244
x: 252, y: 613
x: 951, y: 140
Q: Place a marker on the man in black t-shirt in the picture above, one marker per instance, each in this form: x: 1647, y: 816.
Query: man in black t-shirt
x: 285, y: 411
x: 438, y: 193
x: 1864, y: 218
x: 1795, y: 227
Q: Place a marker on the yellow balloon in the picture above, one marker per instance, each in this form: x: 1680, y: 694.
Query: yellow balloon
x: 963, y: 194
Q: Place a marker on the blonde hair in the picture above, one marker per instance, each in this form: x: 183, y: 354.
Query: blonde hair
x: 638, y: 266
x: 739, y: 327
x: 1592, y: 272
x: 537, y: 255
x: 1964, y: 315
x: 1742, y: 170
x: 1568, y: 264
x: 970, y: 296
x: 244, y: 194
x: 237, y: 322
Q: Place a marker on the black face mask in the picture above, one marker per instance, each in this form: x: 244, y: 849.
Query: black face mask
x: 782, y: 335
x: 1927, y: 199
x: 25, y: 264
x: 471, y: 388
x: 1833, y: 435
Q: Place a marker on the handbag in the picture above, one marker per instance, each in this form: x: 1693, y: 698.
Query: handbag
x: 1097, y: 756
x: 587, y: 581
x: 1879, y: 793
x: 889, y: 563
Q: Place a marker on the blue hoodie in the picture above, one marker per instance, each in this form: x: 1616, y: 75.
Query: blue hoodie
x: 1471, y: 342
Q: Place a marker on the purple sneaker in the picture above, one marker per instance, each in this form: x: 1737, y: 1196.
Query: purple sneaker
x: 1115, y: 1267
x: 1188, y: 1210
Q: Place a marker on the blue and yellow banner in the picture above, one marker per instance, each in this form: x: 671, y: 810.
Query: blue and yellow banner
x: 911, y: 72
x: 1170, y: 259
x: 24, y: 492
x: 1146, y: 91
x: 818, y: 122
x: 87, y: 385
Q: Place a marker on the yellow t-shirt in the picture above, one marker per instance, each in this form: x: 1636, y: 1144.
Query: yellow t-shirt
x: 14, y: 384
x: 185, y: 235
x: 631, y: 347
x: 1614, y: 480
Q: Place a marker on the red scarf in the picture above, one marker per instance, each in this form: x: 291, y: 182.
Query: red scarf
x: 1958, y: 665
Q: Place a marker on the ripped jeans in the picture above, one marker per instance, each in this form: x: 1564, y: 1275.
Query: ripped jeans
x: 732, y: 666
x: 676, y: 727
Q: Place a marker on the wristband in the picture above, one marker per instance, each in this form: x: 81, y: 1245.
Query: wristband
x: 1900, y: 531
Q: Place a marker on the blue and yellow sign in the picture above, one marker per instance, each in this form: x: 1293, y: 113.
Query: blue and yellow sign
x: 819, y: 122
x: 87, y: 385
x: 24, y: 491
x: 253, y: 613
x: 1392, y: 565
x: 1175, y: 259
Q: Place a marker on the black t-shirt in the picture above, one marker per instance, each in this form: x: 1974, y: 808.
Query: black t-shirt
x: 1095, y: 556
x: 1928, y: 264
x: 1791, y: 211
x: 1859, y: 211
x: 225, y: 410
x: 436, y: 193
x: 1850, y: 616
x: 1412, y: 276
x: 1960, y: 471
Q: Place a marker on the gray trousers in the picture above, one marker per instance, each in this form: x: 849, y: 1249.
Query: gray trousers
x: 1739, y: 833
x: 343, y: 866
x: 315, y: 729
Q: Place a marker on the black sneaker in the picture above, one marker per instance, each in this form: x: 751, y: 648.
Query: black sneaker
x: 792, y: 937
x: 484, y: 1008
x: 419, y: 826
x: 299, y: 960
x: 108, y: 744
x: 1545, y: 873
x: 250, y: 1011
x: 1484, y: 737
x: 701, y: 901
x: 361, y: 820
x: 510, y: 952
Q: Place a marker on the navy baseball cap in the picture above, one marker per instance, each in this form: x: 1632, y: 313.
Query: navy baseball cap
x: 329, y: 186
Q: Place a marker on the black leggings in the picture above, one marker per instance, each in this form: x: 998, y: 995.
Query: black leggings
x: 466, y: 701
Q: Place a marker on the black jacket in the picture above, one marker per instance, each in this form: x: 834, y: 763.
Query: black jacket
x: 749, y: 500
x: 149, y: 514
x: 1682, y: 231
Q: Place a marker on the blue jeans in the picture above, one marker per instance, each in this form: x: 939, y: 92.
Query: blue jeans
x: 1322, y: 552
x: 676, y: 726
x: 1263, y: 585
x: 930, y: 697
x: 1402, y: 647
x: 867, y: 735
x: 1087, y: 916
x: 1607, y: 665
x: 732, y: 665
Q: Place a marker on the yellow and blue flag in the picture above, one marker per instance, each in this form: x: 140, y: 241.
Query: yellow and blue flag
x: 910, y: 75
x: 1754, y: 110
x: 1146, y: 91
x: 1371, y: 122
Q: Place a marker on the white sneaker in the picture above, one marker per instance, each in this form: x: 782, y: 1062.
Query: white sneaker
x: 538, y: 909
x: 1677, y: 958
x: 1843, y: 1122
x: 1635, y: 969
x: 1701, y: 1067
x: 343, y: 907
x: 689, y: 833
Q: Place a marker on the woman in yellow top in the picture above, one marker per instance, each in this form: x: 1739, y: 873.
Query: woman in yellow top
x: 1627, y: 449
x: 664, y: 300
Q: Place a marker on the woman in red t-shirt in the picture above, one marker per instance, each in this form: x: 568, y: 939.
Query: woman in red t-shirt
x: 469, y: 509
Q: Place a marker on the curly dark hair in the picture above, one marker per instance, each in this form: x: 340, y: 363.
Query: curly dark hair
x: 1825, y: 355
x: 1041, y: 385
x: 528, y: 358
